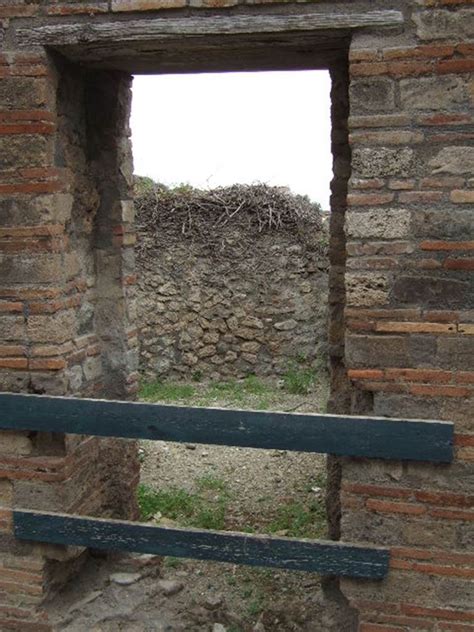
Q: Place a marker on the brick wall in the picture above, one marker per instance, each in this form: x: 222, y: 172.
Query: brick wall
x: 409, y: 313
x: 403, y: 347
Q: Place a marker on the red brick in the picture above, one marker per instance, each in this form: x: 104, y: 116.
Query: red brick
x: 31, y: 187
x: 459, y: 264
x: 441, y: 316
x: 360, y: 325
x: 412, y: 52
x: 447, y: 245
x: 368, y: 69
x: 12, y: 350
x: 401, y: 185
x: 419, y: 375
x: 440, y: 391
x: 447, y: 499
x: 409, y: 68
x: 464, y: 377
x: 365, y: 374
x: 400, y: 314
x: 361, y: 183
x: 465, y: 48
x: 364, y: 54
x: 51, y: 364
x: 10, y: 306
x: 31, y: 128
x: 386, y: 506
x: 464, y: 440
x: 376, y: 490
x: 27, y: 115
x: 438, y: 613
x: 369, y: 199
x: 424, y: 328
x: 455, y: 627
x: 441, y: 182
x: 424, y: 197
x: 462, y: 197
x: 13, y: 363
x: 25, y: 626
x: 454, y: 66
x: 18, y: 11
x: 452, y: 514
x: 445, y: 119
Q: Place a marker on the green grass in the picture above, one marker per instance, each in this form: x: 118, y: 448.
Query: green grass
x: 300, y: 520
x: 166, y: 391
x: 233, y: 392
x: 206, y: 509
x: 298, y: 380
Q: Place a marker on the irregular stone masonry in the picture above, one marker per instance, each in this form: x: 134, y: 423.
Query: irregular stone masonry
x: 263, y: 311
x: 403, y: 348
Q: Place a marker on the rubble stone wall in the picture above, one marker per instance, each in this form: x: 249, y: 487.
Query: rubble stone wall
x: 204, y: 316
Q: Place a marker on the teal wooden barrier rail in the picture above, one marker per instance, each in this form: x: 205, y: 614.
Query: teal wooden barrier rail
x: 368, y: 437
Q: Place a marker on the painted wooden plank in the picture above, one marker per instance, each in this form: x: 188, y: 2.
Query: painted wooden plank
x: 371, y: 437
x: 328, y: 558
x: 158, y: 29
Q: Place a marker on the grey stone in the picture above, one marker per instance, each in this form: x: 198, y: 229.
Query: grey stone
x: 286, y: 325
x: 378, y: 223
x: 433, y: 93
x: 125, y: 579
x: 170, y: 587
x: 383, y: 162
x: 444, y: 24
x: 374, y: 94
x: 453, y: 160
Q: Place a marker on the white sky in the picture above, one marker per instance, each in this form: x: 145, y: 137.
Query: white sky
x: 218, y: 129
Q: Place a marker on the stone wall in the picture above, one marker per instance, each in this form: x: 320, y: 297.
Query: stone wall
x: 402, y: 345
x: 255, y: 309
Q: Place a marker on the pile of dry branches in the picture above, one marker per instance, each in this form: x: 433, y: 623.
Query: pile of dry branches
x: 214, y: 217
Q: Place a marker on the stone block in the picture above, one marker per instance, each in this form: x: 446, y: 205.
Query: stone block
x: 456, y: 160
x: 442, y: 223
x: 15, y: 443
x: 41, y: 209
x: 455, y: 352
x: 25, y: 151
x: 27, y: 269
x: 377, y: 351
x: 432, y: 291
x: 12, y: 328
x: 374, y: 94
x: 18, y: 93
x: 435, y: 24
x: 92, y: 368
x: 434, y: 93
x: 382, y: 162
x: 366, y: 289
x: 52, y: 328
x: 379, y: 224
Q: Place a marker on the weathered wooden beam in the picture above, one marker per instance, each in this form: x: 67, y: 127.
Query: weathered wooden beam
x: 370, y: 437
x: 156, y: 29
x: 328, y: 558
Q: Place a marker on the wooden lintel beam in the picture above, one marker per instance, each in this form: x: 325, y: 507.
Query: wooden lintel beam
x: 320, y: 556
x: 369, y: 437
x: 159, y: 29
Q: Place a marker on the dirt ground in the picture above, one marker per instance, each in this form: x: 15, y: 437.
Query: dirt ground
x: 148, y: 594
